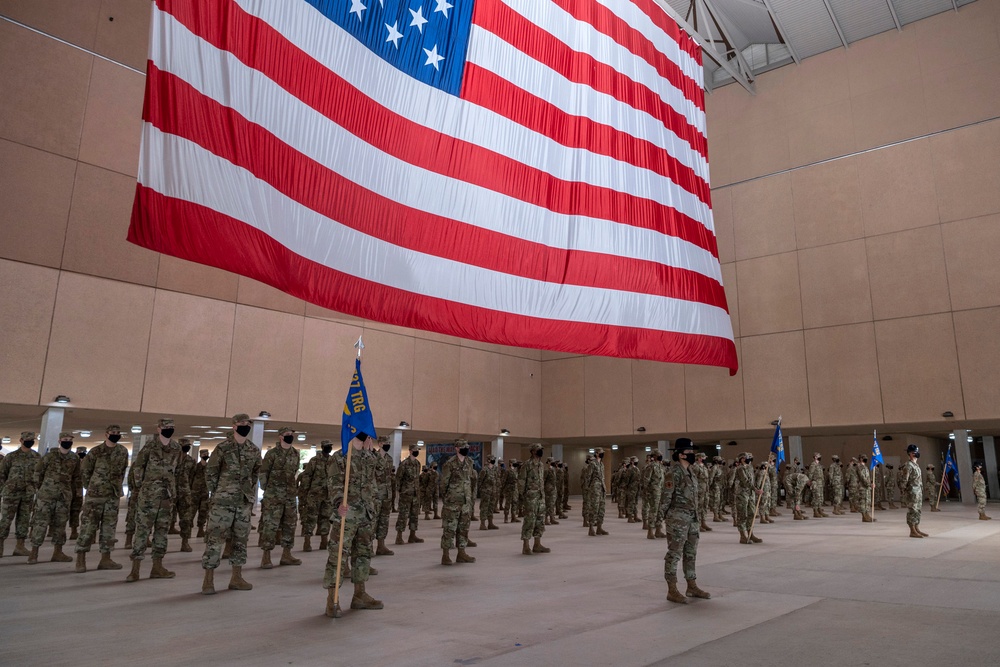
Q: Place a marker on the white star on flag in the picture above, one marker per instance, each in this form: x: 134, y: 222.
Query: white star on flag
x: 443, y: 6
x: 357, y: 8
x: 433, y: 58
x: 418, y: 19
x: 394, y: 34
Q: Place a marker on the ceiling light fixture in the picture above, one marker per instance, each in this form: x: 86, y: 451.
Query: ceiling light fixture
x: 84, y: 434
x: 264, y: 414
x: 947, y: 414
x: 504, y: 431
x: 197, y: 443
x: 137, y: 429
x: 420, y: 443
x: 614, y: 447
x: 302, y: 437
x: 404, y: 425
x: 641, y: 429
x: 649, y: 449
x: 62, y: 399
x: 5, y: 440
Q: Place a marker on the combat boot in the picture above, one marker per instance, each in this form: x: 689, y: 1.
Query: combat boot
x: 383, y: 550
x: 694, y: 592
x: 797, y: 515
x: 324, y: 542
x: 880, y: 506
x: 526, y: 548
x: 413, y: 539
x: 816, y: 513
x: 554, y: 521
x: 445, y: 557
x: 463, y: 557
x: 914, y: 533
x: 227, y: 551
x: 427, y: 516
x: 59, y: 557
x: 482, y: 524
x: 107, y: 564
x: 173, y: 530
x: 208, y: 583
x: 287, y: 558
x: 74, y: 534
x: 128, y: 540
x: 81, y: 561
x: 705, y: 528
x: 134, y: 574
x: 201, y: 531
x: 645, y: 524
x: 631, y: 519
x: 659, y: 532
x: 716, y: 518
x: 822, y: 514
x: 621, y: 515
x: 983, y: 517
x: 649, y: 534
x: 265, y: 560
x: 19, y: 549
x: 539, y: 548
x: 372, y: 571
x: 237, y: 582
x: 600, y: 529
x: 436, y: 515
x: 548, y: 522
x: 743, y: 537
x: 1, y: 548
x: 160, y: 572
x: 185, y: 545
x: 562, y: 515
x: 920, y: 531
x: 514, y: 519
x: 753, y: 539
x: 332, y: 608
x: 468, y: 542
x: 867, y: 518
x: 33, y: 556
x: 674, y: 595
x: 362, y: 600
x: 934, y: 508
x: 490, y: 525
x: 591, y: 533
x: 307, y: 543
x: 892, y: 505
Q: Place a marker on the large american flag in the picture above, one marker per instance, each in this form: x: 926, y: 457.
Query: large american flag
x: 524, y: 172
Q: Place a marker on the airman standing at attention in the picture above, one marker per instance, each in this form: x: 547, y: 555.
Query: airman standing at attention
x: 231, y: 477
x: 57, y: 478
x: 799, y: 481
x: 681, y: 503
x: 425, y: 490
x: 891, y: 483
x: 596, y: 491
x: 488, y: 487
x: 407, y: 481
x: 979, y: 489
x: 185, y: 502
x: 315, y: 507
x: 102, y: 474
x: 701, y: 472
x: 652, y: 490
x: 510, y: 491
x: 278, y: 511
x: 716, y: 480
x: 910, y: 476
x: 549, y: 474
x: 199, y: 492
x: 931, y: 488
x: 853, y: 484
x: 763, y: 482
x: 790, y: 470
x: 383, y: 489
x: 865, y: 490
x: 76, y: 507
x: 816, y: 477
x: 17, y: 487
x: 565, y: 495
x: 456, y: 512
x: 531, y: 487
x: 836, y: 473
x: 746, y: 499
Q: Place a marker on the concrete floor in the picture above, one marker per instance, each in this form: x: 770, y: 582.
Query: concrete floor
x: 816, y: 592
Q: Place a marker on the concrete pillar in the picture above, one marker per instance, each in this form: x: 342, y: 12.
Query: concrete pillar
x: 990, y: 464
x: 557, y: 452
x: 498, y: 448
x: 257, y: 433
x: 794, y: 449
x: 663, y: 446
x: 397, y: 447
x: 48, y: 432
x: 963, y: 459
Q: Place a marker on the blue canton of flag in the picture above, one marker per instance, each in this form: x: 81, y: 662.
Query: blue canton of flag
x: 876, y: 454
x: 426, y: 39
x: 357, y: 413
x: 949, y: 464
x: 778, y: 447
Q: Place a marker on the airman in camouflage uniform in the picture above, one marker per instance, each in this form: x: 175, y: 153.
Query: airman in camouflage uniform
x: 57, y: 478
x: 763, y: 482
x: 891, y: 483
x: 931, y: 489
x: 133, y: 502
x: 793, y: 468
x: 199, y: 492
x: 278, y: 510
x: 186, y: 506
x: 878, y: 476
x: 746, y: 494
x: 76, y: 507
x: 231, y: 476
x: 716, y: 480
x: 596, y: 490
x: 425, y: 490
x: 865, y: 490
x: 17, y: 487
x: 549, y: 475
x: 652, y: 494
x: 102, y: 474
x: 531, y: 488
x: 315, y: 506
x: 357, y: 514
x: 407, y: 481
x: 633, y: 482
x: 979, y: 489
x: 383, y: 488
x: 910, y: 479
x: 701, y: 472
x: 456, y: 512
x: 853, y: 485
x: 816, y: 477
x: 510, y: 492
x: 488, y: 490
x: 681, y: 503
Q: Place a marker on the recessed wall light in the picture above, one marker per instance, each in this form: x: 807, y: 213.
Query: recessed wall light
x: 137, y: 429
x: 84, y: 434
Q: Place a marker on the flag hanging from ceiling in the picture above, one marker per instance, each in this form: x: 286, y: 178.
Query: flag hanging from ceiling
x: 523, y: 172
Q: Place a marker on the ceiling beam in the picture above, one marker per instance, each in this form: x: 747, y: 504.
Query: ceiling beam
x: 781, y: 31
x: 836, y: 23
x: 895, y: 18
x: 954, y: 3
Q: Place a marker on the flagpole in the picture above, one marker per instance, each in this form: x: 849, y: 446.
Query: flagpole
x: 944, y: 472
x: 756, y: 509
x: 871, y: 471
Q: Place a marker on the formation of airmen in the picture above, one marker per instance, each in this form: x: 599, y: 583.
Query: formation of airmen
x: 41, y: 495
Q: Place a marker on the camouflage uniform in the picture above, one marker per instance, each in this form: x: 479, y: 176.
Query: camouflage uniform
x: 488, y: 488
x: 133, y: 501
x: 199, y: 494
x: 57, y: 480
x: 716, y: 480
x: 701, y: 472
x: 853, y: 485
x: 836, y: 473
x: 315, y: 506
x: 549, y: 475
x: 159, y: 476
x: 426, y: 489
x: 510, y: 493
x: 103, y: 472
x: 456, y: 510
x: 593, y: 482
x: 682, y: 522
x: 931, y: 488
x: 278, y: 509
x: 746, y: 499
x: 17, y: 486
x: 763, y: 482
x: 359, y: 524
x: 407, y: 481
x: 864, y: 491
x: 816, y: 477
x: 652, y: 492
x: 631, y: 483
x: 910, y: 476
x: 383, y: 489
x: 231, y: 477
x: 979, y: 489
x: 186, y: 505
x: 531, y: 487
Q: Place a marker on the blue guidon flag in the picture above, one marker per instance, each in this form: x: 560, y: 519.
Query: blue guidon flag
x: 523, y: 172
x: 876, y: 454
x: 778, y: 446
x: 357, y: 419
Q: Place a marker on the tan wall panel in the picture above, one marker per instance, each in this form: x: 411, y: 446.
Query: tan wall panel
x: 774, y: 379
x: 98, y: 225
x: 436, y: 371
x: 819, y: 82
x: 563, y: 397
x: 113, y: 121
x: 897, y: 188
x: 979, y: 360
x: 965, y: 171
x: 327, y: 314
x: 908, y: 274
x: 822, y: 133
x: 328, y: 356
x: 180, y: 275
x: 187, y: 368
x: 98, y: 343
x: 719, y: 155
x: 730, y: 284
x: 971, y: 249
x: 827, y: 203
x: 479, y: 392
x: 763, y: 219
x: 550, y: 355
x: 919, y: 391
x: 835, y: 285
x: 948, y: 40
x: 256, y: 293
x: 658, y: 396
x: 963, y: 94
x: 722, y: 215
x: 890, y: 114
x: 883, y: 60
x: 44, y: 86
x: 74, y: 21
x: 714, y: 400
x: 758, y: 149
x: 26, y: 303
x: 521, y: 396
x: 524, y: 352
x: 607, y: 396
x: 769, y: 294
x: 389, y: 377
x: 373, y: 325
x: 126, y: 38
x: 266, y: 362
x: 843, y: 375
x: 37, y: 189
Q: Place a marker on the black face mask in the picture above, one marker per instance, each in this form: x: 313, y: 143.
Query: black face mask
x: 464, y: 451
x: 115, y: 437
x: 689, y: 457
x: 166, y: 432
x: 386, y: 447
x: 66, y: 444
x: 601, y: 456
x: 916, y: 455
x: 288, y: 439
x: 414, y: 454
x: 29, y: 443
x: 204, y: 458
x: 749, y: 461
x: 243, y: 430
x: 185, y: 448
x: 327, y: 449
x: 539, y: 453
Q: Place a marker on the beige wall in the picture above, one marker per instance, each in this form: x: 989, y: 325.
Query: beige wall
x: 863, y: 291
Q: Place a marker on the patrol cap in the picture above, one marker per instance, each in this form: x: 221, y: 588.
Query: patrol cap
x: 241, y: 417
x: 112, y: 428
x: 383, y: 440
x: 461, y: 442
x: 492, y: 459
x: 183, y: 441
x: 81, y: 448
x: 324, y: 443
x: 165, y: 422
x: 535, y: 446
x: 27, y: 435
x: 285, y: 429
x: 66, y: 435
x: 599, y: 450
x: 700, y: 455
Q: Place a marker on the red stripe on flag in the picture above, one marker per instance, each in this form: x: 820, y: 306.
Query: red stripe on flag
x: 583, y: 68
x: 187, y: 230
x: 668, y: 25
x: 181, y: 110
x: 224, y: 23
